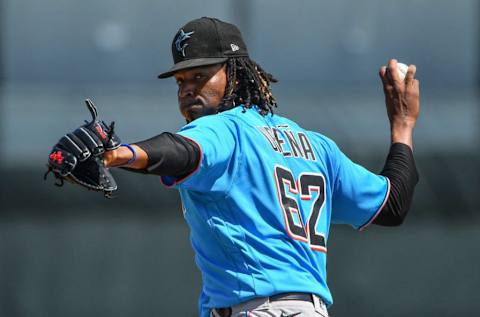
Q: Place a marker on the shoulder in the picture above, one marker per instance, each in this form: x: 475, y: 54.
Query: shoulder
x: 317, y: 138
x: 324, y: 141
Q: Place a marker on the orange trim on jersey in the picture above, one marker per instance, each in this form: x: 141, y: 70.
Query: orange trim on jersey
x: 318, y: 248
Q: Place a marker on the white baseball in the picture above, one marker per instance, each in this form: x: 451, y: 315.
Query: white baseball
x: 402, y: 70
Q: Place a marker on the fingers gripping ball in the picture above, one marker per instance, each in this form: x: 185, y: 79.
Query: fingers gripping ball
x: 78, y: 156
x: 401, y: 71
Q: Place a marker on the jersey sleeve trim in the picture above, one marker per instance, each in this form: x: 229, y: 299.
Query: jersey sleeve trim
x: 379, y: 209
x: 169, y: 181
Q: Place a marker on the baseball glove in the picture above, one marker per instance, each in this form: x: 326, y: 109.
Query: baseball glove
x: 77, y: 157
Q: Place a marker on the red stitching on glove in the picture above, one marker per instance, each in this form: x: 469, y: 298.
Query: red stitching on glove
x: 101, y: 132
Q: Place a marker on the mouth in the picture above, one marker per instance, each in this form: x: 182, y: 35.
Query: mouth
x: 194, y: 105
x: 191, y: 111
x: 191, y: 104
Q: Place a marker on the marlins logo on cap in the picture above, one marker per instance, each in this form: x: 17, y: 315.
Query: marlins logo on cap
x: 182, y: 36
x: 207, y: 41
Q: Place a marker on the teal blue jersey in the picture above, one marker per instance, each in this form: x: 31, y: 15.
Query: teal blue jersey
x: 260, y: 204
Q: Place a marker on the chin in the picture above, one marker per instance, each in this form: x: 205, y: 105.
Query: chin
x: 197, y: 111
x: 195, y: 117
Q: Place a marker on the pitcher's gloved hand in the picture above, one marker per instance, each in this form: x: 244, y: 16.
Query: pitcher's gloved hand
x: 77, y: 157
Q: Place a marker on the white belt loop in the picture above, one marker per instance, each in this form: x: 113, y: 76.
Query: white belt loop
x: 319, y: 304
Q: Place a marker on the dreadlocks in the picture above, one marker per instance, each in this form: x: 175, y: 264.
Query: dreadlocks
x: 248, y: 84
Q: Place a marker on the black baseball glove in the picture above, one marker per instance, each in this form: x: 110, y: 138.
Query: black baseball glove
x: 77, y: 157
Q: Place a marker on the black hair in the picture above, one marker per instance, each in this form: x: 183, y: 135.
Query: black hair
x: 247, y: 85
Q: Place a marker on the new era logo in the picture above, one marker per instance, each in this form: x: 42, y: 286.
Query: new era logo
x: 234, y: 47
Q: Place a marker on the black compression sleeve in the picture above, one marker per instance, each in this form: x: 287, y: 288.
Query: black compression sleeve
x: 170, y: 155
x: 402, y: 173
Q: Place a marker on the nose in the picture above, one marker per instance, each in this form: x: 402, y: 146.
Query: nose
x: 186, y: 90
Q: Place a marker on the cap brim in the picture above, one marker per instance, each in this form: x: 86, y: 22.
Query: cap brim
x: 191, y: 63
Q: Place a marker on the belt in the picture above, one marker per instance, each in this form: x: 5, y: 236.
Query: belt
x: 292, y: 296
x: 227, y: 311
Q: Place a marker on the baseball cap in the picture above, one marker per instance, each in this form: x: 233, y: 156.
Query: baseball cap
x: 205, y: 41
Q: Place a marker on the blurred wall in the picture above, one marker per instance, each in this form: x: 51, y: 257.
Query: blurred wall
x: 343, y: 41
x: 67, y: 252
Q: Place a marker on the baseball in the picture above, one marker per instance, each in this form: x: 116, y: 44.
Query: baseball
x: 402, y: 70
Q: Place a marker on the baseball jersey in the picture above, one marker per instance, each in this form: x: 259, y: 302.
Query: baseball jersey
x: 261, y: 201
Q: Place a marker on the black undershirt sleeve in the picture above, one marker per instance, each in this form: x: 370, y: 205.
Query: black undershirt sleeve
x: 402, y: 173
x: 169, y: 154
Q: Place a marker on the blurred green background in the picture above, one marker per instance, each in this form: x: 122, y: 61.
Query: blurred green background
x: 69, y: 252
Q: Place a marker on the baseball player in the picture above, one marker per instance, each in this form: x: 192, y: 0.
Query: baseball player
x: 260, y: 192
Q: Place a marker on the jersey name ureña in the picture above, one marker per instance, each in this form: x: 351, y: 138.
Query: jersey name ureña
x: 260, y: 204
x: 298, y: 142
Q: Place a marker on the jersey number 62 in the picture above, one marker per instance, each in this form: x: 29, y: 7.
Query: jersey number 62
x: 294, y: 223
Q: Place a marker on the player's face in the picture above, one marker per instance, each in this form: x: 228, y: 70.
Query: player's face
x: 200, y: 90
